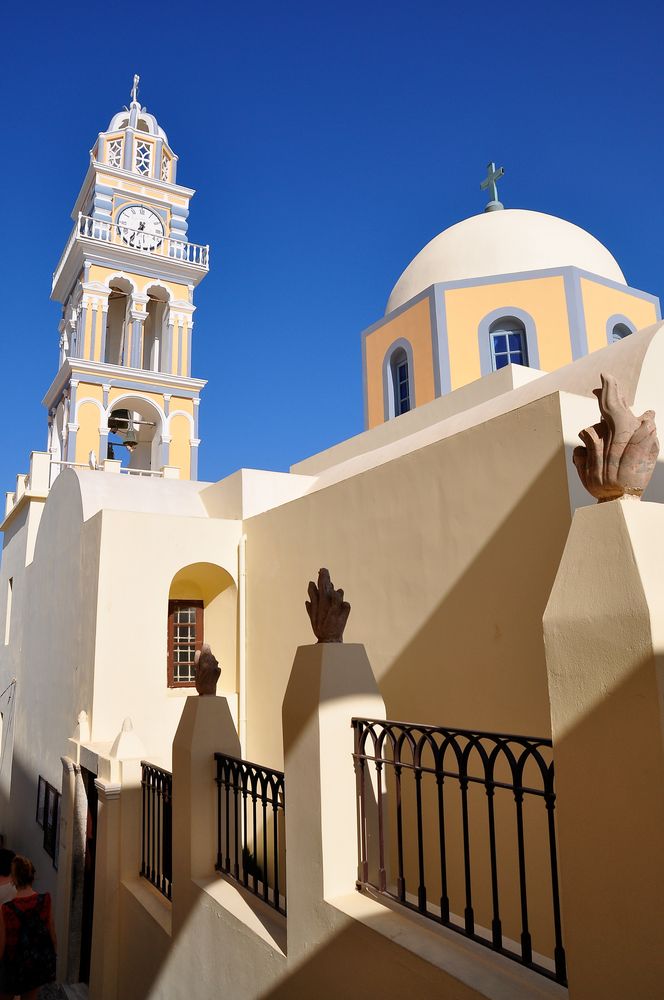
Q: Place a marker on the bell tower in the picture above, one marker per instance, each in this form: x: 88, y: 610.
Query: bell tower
x: 126, y: 281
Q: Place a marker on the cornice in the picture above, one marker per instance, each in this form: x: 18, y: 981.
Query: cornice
x: 73, y: 369
x: 82, y: 251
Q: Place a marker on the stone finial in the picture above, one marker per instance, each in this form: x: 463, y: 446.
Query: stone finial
x: 127, y: 744
x: 206, y: 670
x: 327, y: 609
x: 620, y: 451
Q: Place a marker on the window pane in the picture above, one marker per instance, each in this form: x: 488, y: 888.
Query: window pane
x: 499, y: 342
x: 501, y: 360
x: 515, y: 341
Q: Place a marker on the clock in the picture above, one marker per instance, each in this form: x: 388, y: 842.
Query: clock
x: 140, y: 228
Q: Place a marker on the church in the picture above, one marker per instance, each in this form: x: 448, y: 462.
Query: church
x: 444, y: 520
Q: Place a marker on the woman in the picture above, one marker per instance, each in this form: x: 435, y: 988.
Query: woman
x: 27, y: 937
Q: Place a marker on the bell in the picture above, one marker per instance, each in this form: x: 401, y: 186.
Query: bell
x: 119, y: 421
x: 131, y: 439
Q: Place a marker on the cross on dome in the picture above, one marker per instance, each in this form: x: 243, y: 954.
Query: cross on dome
x: 489, y: 184
x: 134, y: 89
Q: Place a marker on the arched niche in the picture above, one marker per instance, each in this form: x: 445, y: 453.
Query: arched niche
x: 147, y: 421
x: 116, y: 320
x: 213, y: 587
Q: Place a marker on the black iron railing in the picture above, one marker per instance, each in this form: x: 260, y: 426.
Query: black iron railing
x: 157, y: 827
x: 446, y: 815
x: 250, y: 827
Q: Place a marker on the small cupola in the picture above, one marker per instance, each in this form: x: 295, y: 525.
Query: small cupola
x: 134, y: 141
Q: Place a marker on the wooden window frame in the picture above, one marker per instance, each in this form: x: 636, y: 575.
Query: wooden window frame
x: 48, y: 817
x: 173, y: 605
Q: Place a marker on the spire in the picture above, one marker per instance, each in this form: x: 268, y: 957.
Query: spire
x: 489, y: 185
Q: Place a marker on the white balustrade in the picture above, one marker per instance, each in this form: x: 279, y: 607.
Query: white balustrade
x: 136, y: 240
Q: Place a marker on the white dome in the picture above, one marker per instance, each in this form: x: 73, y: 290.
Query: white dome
x: 503, y: 242
x: 144, y: 122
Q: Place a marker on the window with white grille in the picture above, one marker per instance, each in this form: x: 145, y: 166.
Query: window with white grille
x: 143, y: 157
x: 165, y: 164
x: 115, y: 153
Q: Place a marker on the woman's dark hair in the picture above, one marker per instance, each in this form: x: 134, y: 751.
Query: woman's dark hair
x: 6, y: 858
x: 23, y: 872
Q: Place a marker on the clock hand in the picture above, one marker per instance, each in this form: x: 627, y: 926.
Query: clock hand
x: 141, y: 226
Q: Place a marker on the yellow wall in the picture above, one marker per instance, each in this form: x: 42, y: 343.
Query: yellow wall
x: 154, y: 397
x: 142, y: 190
x: 414, y: 325
x: 87, y: 437
x: 543, y: 298
x: 179, y: 403
x: 600, y: 302
x: 180, y: 450
x: 140, y: 281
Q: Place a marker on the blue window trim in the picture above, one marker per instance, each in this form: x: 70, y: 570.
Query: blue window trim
x: 484, y: 336
x: 613, y: 321
x: 389, y: 408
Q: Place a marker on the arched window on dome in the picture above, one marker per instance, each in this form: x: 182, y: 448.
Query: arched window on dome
x: 509, y: 345
x: 507, y: 336
x: 400, y: 370
x: 617, y: 328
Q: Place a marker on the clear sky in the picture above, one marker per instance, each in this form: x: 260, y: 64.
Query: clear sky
x: 328, y: 142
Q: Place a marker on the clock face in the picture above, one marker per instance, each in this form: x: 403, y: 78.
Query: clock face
x: 140, y: 228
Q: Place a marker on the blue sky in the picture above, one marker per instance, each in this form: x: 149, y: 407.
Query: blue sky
x: 328, y: 143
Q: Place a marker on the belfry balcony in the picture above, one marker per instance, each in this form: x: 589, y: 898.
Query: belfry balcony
x: 129, y: 243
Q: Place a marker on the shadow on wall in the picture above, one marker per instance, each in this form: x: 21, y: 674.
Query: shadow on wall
x: 358, y: 964
x: 479, y: 657
x: 602, y: 786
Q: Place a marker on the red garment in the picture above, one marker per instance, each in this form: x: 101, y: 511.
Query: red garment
x: 12, y: 925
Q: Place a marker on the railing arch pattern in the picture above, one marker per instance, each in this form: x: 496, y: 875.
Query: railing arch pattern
x: 401, y: 752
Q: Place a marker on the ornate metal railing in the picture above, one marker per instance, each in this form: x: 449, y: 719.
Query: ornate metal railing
x: 103, y: 231
x: 157, y: 827
x: 250, y: 827
x: 424, y: 822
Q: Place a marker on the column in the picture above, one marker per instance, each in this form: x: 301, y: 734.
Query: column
x: 166, y: 359
x: 206, y: 727
x: 102, y: 330
x: 193, y: 458
x: 93, y: 329
x: 66, y: 863
x: 134, y: 357
x: 165, y: 449
x: 604, y: 636
x: 329, y: 683
x: 72, y: 426
x: 106, y: 929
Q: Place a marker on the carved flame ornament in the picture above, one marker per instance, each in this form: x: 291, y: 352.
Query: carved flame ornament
x: 206, y: 670
x: 619, y: 452
x: 327, y: 609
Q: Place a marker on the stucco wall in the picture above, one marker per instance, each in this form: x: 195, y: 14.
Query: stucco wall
x: 140, y: 554
x: 447, y: 555
x: 50, y: 653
